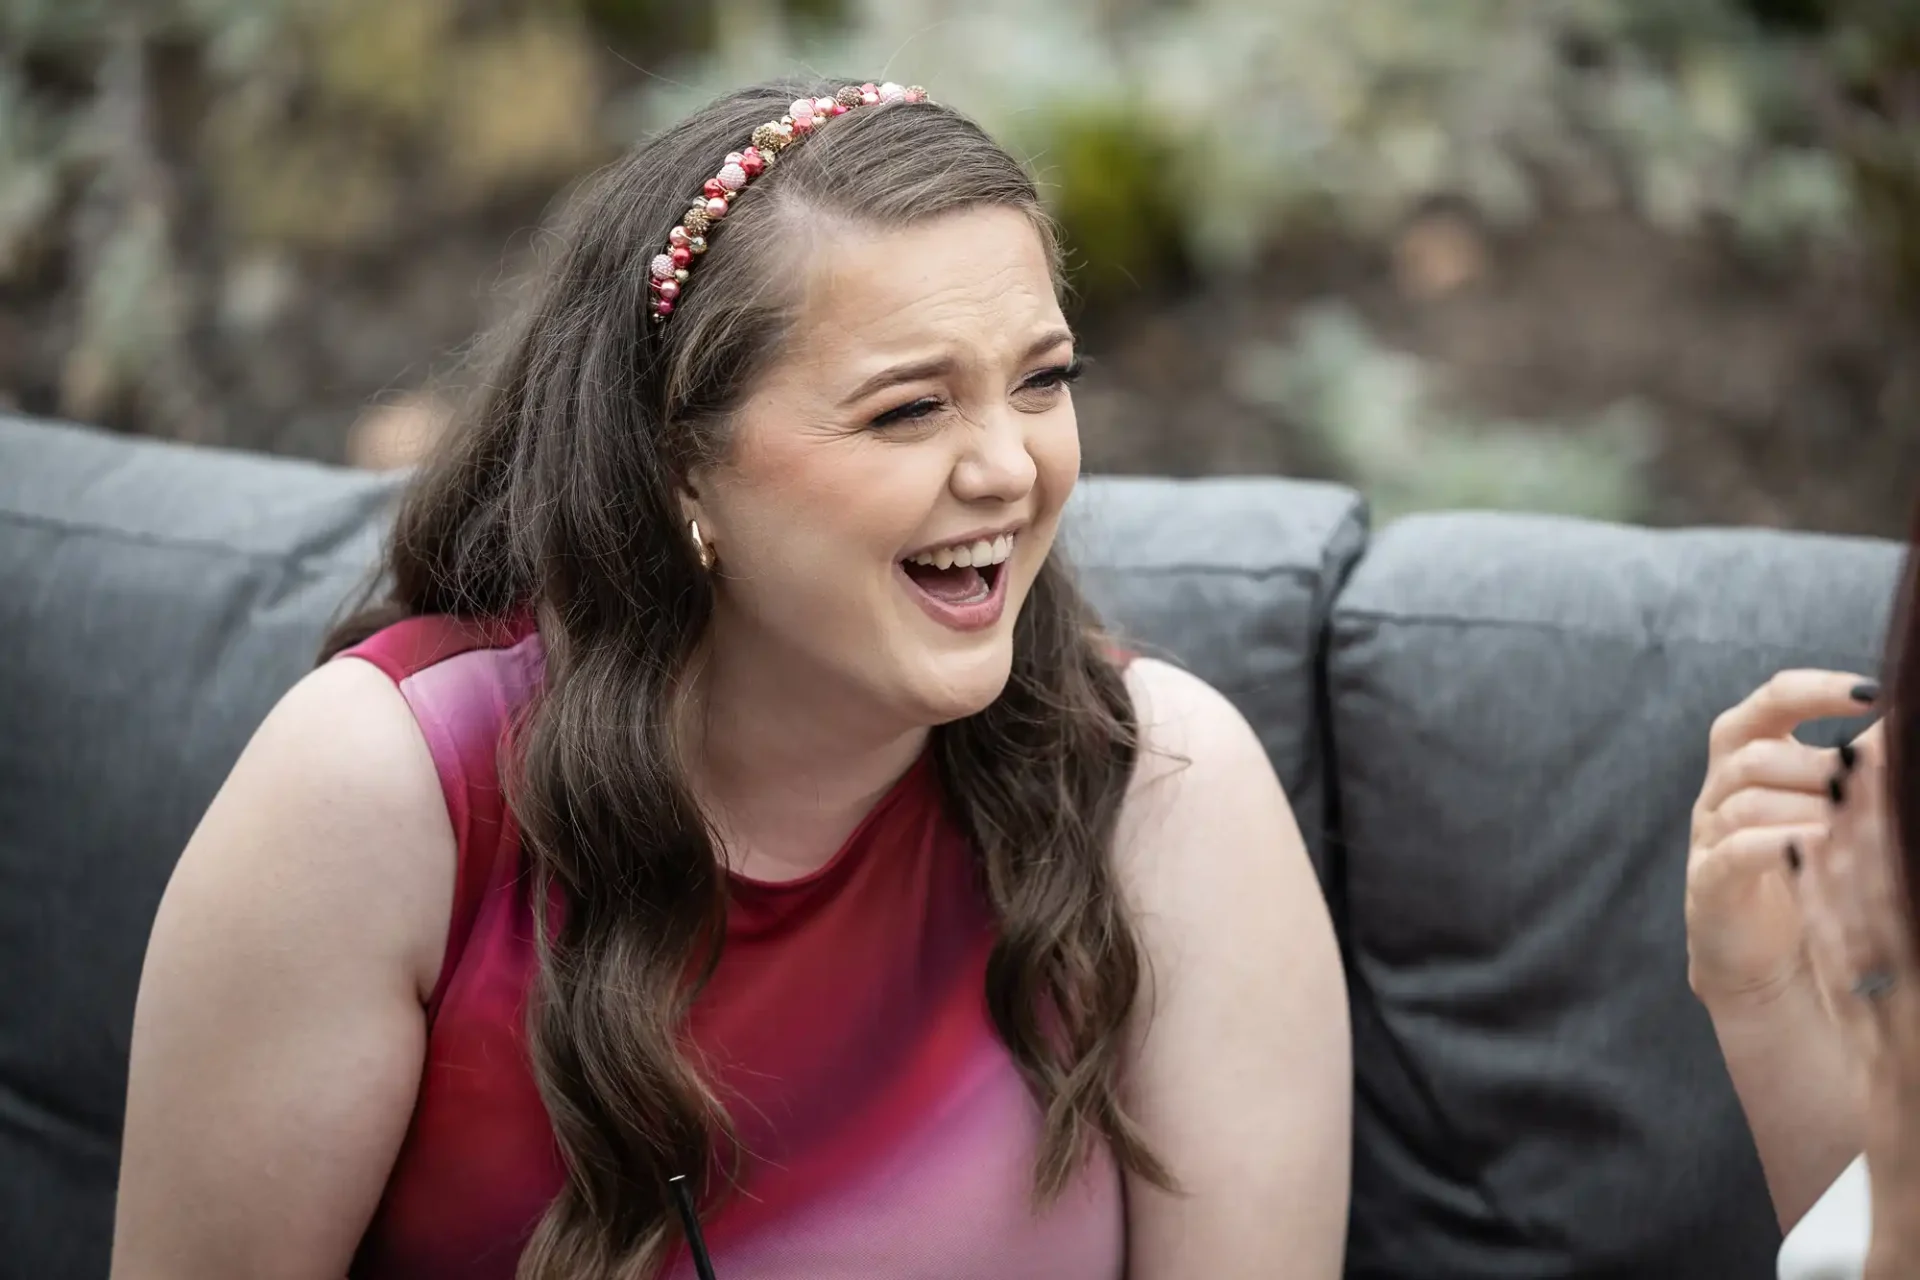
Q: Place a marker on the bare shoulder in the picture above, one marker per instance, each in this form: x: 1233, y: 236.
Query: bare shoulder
x: 344, y: 724
x: 332, y: 820
x: 1194, y: 743
x: 279, y: 1024
x: 1239, y: 1037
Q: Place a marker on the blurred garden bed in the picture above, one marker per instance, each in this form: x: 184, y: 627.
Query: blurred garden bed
x: 1649, y: 259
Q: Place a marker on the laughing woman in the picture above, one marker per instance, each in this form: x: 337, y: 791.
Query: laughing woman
x: 734, y: 785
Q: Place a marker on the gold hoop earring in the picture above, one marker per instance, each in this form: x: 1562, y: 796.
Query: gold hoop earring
x: 701, y: 547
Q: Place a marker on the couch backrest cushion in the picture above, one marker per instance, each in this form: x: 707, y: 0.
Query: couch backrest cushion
x: 1519, y: 718
x: 1234, y: 579
x: 156, y: 600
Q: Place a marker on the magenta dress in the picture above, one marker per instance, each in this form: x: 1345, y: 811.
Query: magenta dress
x: 887, y: 1131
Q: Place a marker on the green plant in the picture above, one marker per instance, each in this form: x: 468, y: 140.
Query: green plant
x: 1375, y: 412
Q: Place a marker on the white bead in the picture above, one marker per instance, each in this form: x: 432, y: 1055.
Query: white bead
x: 662, y: 267
x: 891, y: 92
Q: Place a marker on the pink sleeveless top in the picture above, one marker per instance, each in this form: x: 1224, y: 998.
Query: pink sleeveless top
x: 888, y: 1132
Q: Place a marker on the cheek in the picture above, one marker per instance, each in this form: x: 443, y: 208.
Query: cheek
x: 1055, y: 449
x: 799, y: 504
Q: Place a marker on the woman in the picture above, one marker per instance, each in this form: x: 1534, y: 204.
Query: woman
x: 1800, y: 932
x: 876, y: 893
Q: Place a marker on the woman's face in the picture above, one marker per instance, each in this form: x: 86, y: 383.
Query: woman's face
x: 895, y: 481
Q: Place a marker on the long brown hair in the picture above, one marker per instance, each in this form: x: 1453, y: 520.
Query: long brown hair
x: 555, y: 495
x: 1902, y: 700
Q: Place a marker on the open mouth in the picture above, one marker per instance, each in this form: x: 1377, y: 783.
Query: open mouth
x: 961, y: 575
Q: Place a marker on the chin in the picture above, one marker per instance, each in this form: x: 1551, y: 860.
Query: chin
x: 953, y: 686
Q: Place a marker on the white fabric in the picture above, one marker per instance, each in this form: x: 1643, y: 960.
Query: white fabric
x: 1830, y: 1243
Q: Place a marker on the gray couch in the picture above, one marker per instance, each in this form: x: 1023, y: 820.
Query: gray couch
x: 1491, y: 726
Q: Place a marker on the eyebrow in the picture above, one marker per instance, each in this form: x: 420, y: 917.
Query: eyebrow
x: 938, y: 365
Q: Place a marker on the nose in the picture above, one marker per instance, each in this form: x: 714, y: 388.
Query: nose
x: 997, y: 463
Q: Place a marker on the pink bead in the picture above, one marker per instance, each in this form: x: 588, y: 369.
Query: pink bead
x: 823, y: 106
x: 802, y: 125
x: 891, y: 92
x: 733, y: 176
x: 681, y: 255
x: 839, y: 110
x: 662, y: 267
x: 752, y: 162
x: 869, y: 87
x: 679, y: 238
x: 716, y: 209
x: 735, y: 157
x: 663, y: 308
x: 869, y: 97
x: 914, y: 95
x: 801, y: 107
x: 667, y: 289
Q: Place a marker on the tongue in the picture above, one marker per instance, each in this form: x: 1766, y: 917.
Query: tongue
x: 950, y: 586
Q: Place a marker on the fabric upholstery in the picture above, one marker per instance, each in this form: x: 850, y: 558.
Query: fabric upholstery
x: 154, y: 602
x: 1234, y: 579
x: 1519, y: 717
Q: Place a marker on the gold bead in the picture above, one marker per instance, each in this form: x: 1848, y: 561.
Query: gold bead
x: 915, y: 91
x: 848, y: 96
x: 696, y: 222
x: 767, y: 138
x: 680, y: 274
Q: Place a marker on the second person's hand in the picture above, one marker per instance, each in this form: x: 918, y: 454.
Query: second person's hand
x: 1764, y: 790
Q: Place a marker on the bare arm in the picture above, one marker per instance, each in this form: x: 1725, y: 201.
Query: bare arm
x: 1242, y: 1078
x: 1789, y: 1064
x: 1799, y: 1089
x: 279, y: 1034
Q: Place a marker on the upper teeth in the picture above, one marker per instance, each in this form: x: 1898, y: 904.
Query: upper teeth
x: 968, y: 554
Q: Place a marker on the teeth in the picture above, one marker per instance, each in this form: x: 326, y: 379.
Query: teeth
x: 968, y: 554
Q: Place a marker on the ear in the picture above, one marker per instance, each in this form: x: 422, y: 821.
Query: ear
x: 688, y: 498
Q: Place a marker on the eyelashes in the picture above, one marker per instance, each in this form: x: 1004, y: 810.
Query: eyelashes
x: 1051, y: 379
x: 1061, y: 374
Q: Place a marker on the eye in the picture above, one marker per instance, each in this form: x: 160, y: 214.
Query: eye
x: 1042, y: 385
x: 912, y: 411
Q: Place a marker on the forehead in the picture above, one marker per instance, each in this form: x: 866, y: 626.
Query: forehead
x: 976, y: 282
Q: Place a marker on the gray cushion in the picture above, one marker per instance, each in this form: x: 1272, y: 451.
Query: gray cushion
x: 1520, y: 709
x: 158, y: 599
x: 1234, y: 579
x: 155, y: 601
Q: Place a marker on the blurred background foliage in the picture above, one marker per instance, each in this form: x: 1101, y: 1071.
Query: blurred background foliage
x: 1646, y: 259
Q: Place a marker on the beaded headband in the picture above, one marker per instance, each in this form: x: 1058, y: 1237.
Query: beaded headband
x: 688, y: 241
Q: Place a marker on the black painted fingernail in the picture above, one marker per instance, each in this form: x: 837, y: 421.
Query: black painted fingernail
x: 1793, y: 857
x: 1848, y: 757
x: 1867, y: 691
x: 1836, y: 790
